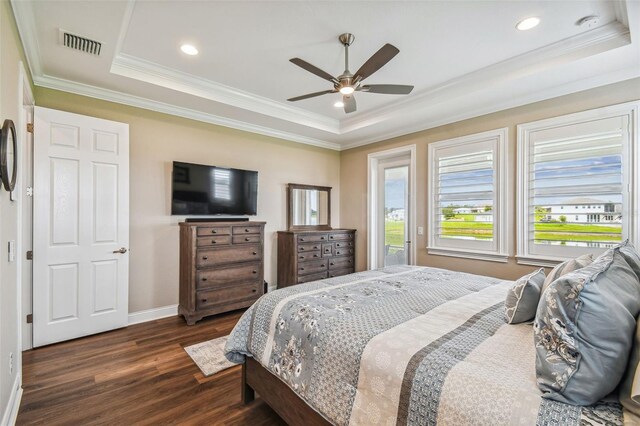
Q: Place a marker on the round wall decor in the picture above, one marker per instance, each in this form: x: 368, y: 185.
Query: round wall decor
x: 8, y: 155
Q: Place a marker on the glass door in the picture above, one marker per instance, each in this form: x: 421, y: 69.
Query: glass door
x: 393, y: 213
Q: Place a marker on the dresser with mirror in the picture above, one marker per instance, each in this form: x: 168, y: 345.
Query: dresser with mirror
x: 310, y: 249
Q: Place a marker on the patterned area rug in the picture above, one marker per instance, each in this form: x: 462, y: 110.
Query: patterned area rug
x: 209, y: 356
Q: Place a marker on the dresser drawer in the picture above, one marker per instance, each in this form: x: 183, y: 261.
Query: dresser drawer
x: 246, y: 239
x: 213, y: 240
x: 312, y: 238
x: 343, y: 244
x: 231, y: 254
x: 220, y: 276
x: 239, y: 230
x: 312, y: 267
x: 340, y: 272
x: 341, y: 236
x: 209, y: 298
x: 343, y: 251
x: 309, y: 247
x: 310, y: 255
x: 214, y: 230
x: 341, y: 262
x: 313, y: 277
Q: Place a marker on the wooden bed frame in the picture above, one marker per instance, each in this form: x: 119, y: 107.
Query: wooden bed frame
x: 289, y: 406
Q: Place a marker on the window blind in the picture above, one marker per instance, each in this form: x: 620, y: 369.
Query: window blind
x: 465, y: 192
x: 576, y: 189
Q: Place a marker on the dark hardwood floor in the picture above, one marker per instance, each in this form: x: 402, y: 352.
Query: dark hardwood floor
x: 136, y: 375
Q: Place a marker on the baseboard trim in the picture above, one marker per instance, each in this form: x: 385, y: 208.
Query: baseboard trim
x: 13, y: 406
x: 153, y: 314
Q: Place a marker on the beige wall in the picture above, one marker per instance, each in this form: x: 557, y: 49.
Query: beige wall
x: 10, y: 56
x: 353, y: 171
x: 158, y: 139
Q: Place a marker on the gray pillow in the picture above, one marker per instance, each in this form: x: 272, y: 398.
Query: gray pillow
x: 584, y: 328
x: 628, y: 251
x: 566, y: 267
x: 522, y: 299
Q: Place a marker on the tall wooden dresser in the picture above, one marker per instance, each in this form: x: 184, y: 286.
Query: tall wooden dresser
x: 221, y: 267
x: 305, y: 256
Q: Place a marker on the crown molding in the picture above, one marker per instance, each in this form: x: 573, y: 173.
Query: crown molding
x: 570, y: 49
x: 152, y: 105
x: 538, y: 96
x: 149, y: 72
x: 25, y: 21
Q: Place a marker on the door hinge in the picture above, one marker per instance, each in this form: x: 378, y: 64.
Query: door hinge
x: 30, y: 255
x: 30, y: 127
x: 30, y: 191
x: 30, y: 319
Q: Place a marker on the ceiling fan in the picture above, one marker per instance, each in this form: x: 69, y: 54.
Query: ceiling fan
x: 348, y: 83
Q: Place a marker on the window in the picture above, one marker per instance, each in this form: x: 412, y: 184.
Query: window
x: 581, y: 164
x: 467, y: 196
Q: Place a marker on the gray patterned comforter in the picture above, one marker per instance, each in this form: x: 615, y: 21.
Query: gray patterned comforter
x: 405, y: 345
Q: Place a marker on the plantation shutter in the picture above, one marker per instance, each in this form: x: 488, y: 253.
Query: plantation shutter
x: 464, y: 188
x: 577, y: 193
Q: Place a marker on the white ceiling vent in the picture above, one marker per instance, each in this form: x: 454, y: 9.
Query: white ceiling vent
x: 80, y: 43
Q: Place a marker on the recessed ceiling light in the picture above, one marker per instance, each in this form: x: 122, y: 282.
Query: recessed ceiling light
x: 339, y: 104
x: 189, y: 49
x: 528, y: 23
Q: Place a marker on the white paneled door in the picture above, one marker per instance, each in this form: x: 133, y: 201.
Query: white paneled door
x: 80, y: 226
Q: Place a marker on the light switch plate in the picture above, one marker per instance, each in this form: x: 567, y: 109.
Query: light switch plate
x: 12, y: 250
x: 420, y: 230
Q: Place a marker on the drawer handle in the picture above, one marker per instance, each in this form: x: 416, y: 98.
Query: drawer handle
x: 301, y: 248
x: 213, y: 231
x: 204, y: 279
x: 331, y: 237
x: 255, y: 253
x: 302, y: 269
x: 323, y: 265
x: 204, y: 300
x: 315, y: 255
x: 349, y: 261
x: 302, y: 239
x: 332, y: 264
x: 255, y: 272
x: 204, y: 257
x: 246, y: 229
x: 247, y: 239
x: 254, y: 290
x: 322, y: 238
x: 213, y: 241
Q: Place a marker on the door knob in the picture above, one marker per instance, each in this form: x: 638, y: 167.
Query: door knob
x: 122, y: 250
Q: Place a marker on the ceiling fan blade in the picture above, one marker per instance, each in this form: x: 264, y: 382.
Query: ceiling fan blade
x: 311, y: 95
x: 387, y: 89
x: 313, y: 69
x: 377, y: 61
x: 349, y: 103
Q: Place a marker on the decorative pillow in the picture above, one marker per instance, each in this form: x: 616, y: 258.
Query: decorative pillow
x: 566, y: 267
x: 523, y: 297
x: 629, y: 392
x: 628, y: 251
x: 584, y: 328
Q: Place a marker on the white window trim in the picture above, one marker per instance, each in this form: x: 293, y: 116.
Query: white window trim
x: 628, y: 109
x: 373, y: 160
x: 501, y: 224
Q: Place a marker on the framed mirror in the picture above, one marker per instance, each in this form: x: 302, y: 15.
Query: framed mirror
x: 309, y: 207
x: 8, y: 155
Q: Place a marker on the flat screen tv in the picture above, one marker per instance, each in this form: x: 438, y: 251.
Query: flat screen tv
x: 210, y: 190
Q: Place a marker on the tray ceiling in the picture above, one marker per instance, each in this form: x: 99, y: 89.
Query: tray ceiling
x: 464, y: 58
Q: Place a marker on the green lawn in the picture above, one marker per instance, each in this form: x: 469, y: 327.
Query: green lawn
x: 455, y: 228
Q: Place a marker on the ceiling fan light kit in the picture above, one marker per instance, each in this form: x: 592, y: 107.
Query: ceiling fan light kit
x: 348, y: 83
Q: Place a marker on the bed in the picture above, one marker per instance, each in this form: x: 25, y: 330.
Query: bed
x: 401, y: 345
